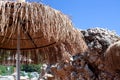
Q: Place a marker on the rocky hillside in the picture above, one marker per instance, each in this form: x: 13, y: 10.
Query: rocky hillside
x: 88, y: 65
x: 98, y: 40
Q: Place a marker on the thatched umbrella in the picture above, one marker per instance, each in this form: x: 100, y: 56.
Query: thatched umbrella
x: 40, y: 32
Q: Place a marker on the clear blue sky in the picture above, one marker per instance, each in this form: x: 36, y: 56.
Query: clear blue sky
x: 89, y: 13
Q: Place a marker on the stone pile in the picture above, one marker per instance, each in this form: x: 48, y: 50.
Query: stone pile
x: 85, y: 66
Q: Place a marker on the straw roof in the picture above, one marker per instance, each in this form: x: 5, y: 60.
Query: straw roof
x: 45, y: 33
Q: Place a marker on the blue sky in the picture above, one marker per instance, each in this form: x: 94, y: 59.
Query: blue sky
x: 90, y: 13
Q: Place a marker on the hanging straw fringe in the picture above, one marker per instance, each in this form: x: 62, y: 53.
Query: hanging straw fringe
x: 45, y: 32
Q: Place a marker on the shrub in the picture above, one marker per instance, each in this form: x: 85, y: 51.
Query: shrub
x: 4, y: 70
x: 31, y: 68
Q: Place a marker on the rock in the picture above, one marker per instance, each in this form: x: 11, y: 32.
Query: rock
x: 98, y: 40
x: 112, y: 57
x: 6, y: 78
x: 87, y: 65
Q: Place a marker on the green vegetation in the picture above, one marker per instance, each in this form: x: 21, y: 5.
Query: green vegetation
x: 31, y: 68
x: 6, y: 70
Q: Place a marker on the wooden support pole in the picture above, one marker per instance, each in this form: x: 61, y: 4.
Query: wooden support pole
x: 18, y: 56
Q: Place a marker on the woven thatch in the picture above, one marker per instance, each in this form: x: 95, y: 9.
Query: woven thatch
x: 46, y: 34
x: 112, y: 57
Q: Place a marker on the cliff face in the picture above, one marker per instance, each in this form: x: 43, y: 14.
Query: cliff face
x: 89, y: 65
